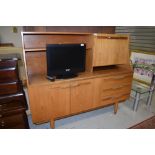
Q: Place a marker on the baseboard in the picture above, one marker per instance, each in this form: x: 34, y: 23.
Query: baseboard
x: 28, y: 112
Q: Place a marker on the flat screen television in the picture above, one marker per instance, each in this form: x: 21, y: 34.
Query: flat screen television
x: 65, y: 60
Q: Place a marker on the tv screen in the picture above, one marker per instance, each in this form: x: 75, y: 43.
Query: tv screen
x: 65, y: 60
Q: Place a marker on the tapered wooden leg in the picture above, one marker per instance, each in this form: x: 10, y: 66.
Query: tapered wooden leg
x: 52, y: 124
x: 115, y: 107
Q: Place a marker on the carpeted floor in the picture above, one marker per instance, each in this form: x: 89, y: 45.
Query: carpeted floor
x: 147, y: 124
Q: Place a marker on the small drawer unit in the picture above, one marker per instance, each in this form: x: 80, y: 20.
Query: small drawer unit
x: 112, y: 89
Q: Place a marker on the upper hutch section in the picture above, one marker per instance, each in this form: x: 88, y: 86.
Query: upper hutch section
x: 101, y: 49
x: 38, y: 40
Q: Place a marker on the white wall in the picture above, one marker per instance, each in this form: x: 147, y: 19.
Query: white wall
x: 7, y: 35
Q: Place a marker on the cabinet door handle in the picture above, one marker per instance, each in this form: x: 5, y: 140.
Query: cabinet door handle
x: 74, y: 85
x: 84, y: 83
x: 54, y: 87
x: 64, y: 87
x: 122, y: 95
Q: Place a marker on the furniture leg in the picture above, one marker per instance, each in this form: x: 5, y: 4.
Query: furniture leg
x: 115, y: 107
x: 136, y: 102
x: 149, y: 99
x: 52, y: 124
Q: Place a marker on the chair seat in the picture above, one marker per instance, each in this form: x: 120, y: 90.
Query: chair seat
x: 140, y: 87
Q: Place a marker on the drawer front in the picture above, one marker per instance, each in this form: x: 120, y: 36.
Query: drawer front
x: 9, y: 88
x: 8, y: 63
x: 122, y: 97
x: 110, y: 82
x: 7, y: 75
x: 105, y: 100
x: 11, y: 121
x: 6, y: 107
x: 121, y: 89
x: 111, y: 89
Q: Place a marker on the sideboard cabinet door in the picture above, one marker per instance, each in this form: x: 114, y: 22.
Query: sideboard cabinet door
x: 81, y: 95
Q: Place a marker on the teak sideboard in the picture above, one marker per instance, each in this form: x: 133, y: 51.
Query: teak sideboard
x: 106, y: 80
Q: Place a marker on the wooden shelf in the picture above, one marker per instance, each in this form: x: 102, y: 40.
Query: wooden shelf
x: 41, y: 49
x: 35, y: 49
x: 49, y: 33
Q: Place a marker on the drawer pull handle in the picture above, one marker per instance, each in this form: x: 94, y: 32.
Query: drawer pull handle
x: 106, y: 98
x: 122, y: 95
x: 120, y: 77
x: 0, y: 115
x: 64, y: 87
x: 118, y: 87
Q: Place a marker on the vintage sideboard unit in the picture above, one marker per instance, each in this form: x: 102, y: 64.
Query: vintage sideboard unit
x: 106, y: 80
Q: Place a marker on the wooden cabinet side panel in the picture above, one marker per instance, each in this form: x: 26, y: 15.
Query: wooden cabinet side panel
x: 40, y: 104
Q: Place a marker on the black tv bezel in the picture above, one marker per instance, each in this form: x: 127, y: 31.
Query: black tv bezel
x: 62, y: 74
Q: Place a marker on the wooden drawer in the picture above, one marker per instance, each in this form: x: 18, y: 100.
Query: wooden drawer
x: 9, y: 74
x: 111, y: 82
x: 9, y: 88
x: 122, y: 97
x: 12, y: 121
x: 122, y: 89
x: 20, y: 96
x: 105, y: 100
x: 8, y: 63
x: 10, y: 106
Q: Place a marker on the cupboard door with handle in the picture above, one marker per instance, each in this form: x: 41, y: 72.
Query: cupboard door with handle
x: 60, y: 100
x: 110, y: 50
x: 48, y: 102
x: 81, y: 95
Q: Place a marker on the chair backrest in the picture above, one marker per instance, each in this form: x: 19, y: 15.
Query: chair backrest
x: 145, y: 70
x: 152, y: 85
x: 152, y: 73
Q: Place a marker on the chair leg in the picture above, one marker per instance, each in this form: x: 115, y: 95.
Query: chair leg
x: 136, y: 102
x: 149, y: 99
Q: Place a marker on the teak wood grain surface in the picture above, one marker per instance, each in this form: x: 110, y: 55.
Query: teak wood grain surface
x: 100, y: 85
